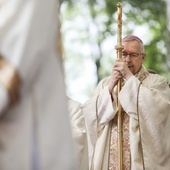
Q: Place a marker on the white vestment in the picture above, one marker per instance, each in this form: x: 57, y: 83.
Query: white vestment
x: 35, y: 132
x: 147, y: 102
x: 79, y: 133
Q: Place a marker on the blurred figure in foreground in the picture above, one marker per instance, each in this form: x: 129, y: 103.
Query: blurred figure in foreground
x: 79, y: 133
x: 35, y: 132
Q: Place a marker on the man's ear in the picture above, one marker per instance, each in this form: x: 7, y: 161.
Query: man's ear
x: 143, y: 55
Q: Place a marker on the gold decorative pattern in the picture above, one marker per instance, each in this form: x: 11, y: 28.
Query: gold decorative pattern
x: 113, y: 163
x: 113, y: 155
x: 9, y: 78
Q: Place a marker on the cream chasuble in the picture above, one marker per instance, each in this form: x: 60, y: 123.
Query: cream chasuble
x: 146, y: 100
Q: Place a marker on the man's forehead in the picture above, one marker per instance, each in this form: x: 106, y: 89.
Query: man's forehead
x: 131, y: 46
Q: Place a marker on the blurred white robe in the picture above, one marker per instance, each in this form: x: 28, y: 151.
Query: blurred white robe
x: 79, y: 133
x: 35, y: 133
x: 150, y: 125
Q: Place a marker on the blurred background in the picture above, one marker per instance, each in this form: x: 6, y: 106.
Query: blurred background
x: 88, y: 35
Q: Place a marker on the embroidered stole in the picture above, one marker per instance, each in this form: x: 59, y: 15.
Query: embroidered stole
x: 113, y: 155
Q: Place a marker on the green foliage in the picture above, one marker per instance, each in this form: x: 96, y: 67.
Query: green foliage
x: 154, y: 14
x: 136, y: 13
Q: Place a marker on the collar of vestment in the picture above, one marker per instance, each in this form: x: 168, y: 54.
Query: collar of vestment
x: 142, y: 73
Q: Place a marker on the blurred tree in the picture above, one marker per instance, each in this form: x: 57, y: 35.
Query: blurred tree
x: 168, y: 39
x: 135, y: 12
x: 140, y: 13
x: 154, y: 14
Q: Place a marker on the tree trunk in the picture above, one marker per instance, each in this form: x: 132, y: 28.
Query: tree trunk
x: 168, y: 39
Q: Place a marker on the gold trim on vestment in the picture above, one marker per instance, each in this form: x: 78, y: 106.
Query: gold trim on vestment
x: 9, y: 78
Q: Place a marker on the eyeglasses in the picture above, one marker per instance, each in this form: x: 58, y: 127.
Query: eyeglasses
x: 131, y: 55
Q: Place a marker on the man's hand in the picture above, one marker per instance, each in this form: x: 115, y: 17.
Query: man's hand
x: 120, y: 70
x: 115, y: 77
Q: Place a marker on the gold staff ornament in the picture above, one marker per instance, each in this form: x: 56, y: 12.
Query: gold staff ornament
x: 119, y: 48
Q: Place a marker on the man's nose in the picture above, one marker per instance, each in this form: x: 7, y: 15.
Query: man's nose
x: 128, y: 58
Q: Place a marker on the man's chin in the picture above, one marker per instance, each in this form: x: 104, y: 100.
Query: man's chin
x: 131, y: 69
